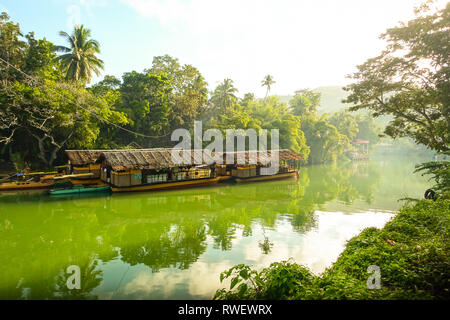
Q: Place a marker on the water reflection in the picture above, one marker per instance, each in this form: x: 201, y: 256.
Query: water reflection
x: 175, y: 244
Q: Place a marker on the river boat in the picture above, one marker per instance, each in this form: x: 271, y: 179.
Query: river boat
x: 80, y: 189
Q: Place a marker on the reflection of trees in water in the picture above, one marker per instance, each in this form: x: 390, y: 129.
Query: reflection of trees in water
x: 265, y: 245
x: 178, y: 246
x: 159, y: 230
x: 345, y: 182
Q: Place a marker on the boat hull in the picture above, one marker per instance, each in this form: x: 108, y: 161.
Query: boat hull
x: 168, y: 186
x: 85, y: 182
x: 271, y: 177
x: 104, y: 188
x: 47, y: 184
x: 9, y: 186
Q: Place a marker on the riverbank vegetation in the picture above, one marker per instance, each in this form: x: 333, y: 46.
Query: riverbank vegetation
x: 411, y: 252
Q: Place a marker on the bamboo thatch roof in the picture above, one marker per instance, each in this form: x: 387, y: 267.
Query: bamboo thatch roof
x: 151, y: 159
x: 162, y: 158
x: 262, y: 157
x: 84, y: 157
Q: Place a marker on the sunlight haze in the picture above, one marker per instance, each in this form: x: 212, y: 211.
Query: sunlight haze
x: 301, y: 43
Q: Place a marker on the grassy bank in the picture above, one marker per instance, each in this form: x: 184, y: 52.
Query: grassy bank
x: 412, y: 252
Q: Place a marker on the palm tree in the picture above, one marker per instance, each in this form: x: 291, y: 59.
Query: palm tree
x: 79, y: 60
x: 224, y: 95
x: 268, y: 82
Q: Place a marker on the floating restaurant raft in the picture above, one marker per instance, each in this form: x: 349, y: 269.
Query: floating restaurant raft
x: 130, y: 170
x: 155, y: 169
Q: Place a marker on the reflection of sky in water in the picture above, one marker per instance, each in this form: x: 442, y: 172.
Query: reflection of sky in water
x: 316, y: 249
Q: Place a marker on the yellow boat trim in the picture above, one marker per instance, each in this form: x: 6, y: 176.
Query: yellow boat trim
x: 272, y: 177
x: 224, y: 178
x: 85, y: 182
x: 170, y: 185
x: 25, y: 185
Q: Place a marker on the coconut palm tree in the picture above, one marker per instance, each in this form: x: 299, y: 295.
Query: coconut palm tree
x: 224, y: 95
x: 267, y: 82
x: 79, y: 60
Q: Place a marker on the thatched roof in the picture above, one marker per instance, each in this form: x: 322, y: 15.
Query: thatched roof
x: 150, y: 159
x: 264, y: 157
x: 162, y: 158
x: 360, y: 141
x: 84, y: 157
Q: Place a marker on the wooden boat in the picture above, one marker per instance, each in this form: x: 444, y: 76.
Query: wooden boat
x: 49, y: 181
x: 26, y: 185
x: 293, y: 174
x: 80, y: 189
x: 168, y: 185
x: 224, y: 178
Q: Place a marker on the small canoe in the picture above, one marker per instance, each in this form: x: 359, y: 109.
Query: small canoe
x: 271, y: 177
x: 80, y: 189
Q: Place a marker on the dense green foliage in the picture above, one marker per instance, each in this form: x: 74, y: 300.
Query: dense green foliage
x: 409, y: 81
x: 411, y: 252
x: 142, y: 108
x: 440, y: 172
x: 40, y: 113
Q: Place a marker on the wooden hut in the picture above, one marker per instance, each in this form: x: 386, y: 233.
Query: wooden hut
x: 360, y: 149
x: 84, y: 161
x: 247, y: 165
x: 153, y: 169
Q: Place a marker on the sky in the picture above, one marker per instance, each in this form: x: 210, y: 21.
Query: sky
x: 301, y: 43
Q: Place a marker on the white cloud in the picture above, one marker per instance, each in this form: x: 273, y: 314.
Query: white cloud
x: 201, y: 281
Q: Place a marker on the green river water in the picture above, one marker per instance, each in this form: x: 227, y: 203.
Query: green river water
x: 175, y: 244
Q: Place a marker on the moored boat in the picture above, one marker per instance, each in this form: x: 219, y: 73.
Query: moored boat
x: 25, y: 185
x: 80, y: 189
x: 293, y: 174
x: 168, y: 185
x: 47, y: 181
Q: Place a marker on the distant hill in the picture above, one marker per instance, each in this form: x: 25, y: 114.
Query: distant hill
x: 330, y: 101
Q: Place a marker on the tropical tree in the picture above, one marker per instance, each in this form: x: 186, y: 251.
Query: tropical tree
x: 409, y: 80
x: 189, y: 94
x: 267, y: 82
x: 326, y: 142
x: 145, y: 99
x: 224, y: 96
x: 367, y: 129
x: 305, y: 102
x: 346, y: 124
x: 80, y: 60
